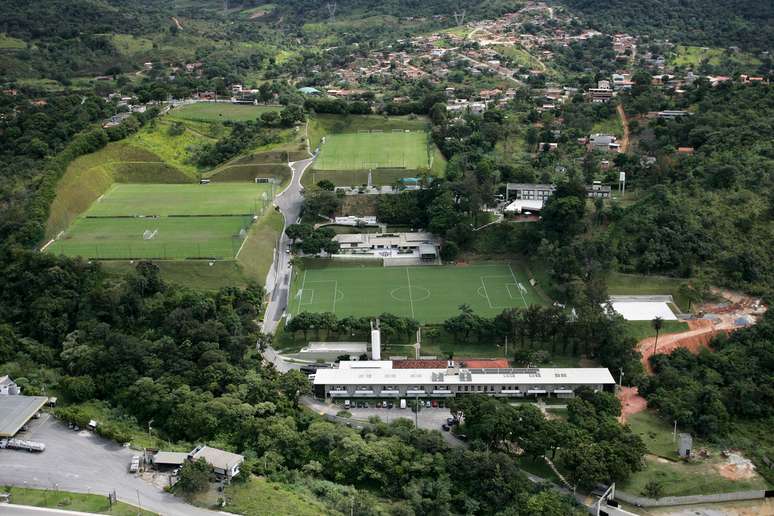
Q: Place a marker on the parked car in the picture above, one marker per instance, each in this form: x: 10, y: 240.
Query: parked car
x: 134, y: 465
x: 450, y: 421
x: 445, y: 427
x: 434, y: 403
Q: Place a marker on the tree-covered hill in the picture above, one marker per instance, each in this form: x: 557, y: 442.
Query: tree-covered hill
x: 745, y: 23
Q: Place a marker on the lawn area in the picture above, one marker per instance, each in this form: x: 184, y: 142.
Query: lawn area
x: 363, y: 151
x: 10, y: 43
x: 619, y: 284
x: 644, y: 329
x: 159, y: 238
x: 162, y: 200
x: 259, y: 497
x: 381, y: 177
x: 678, y: 477
x: 93, y: 503
x: 611, y: 125
x: 220, y: 111
x: 129, y: 45
x: 692, y: 56
x: 426, y: 293
x: 195, y: 274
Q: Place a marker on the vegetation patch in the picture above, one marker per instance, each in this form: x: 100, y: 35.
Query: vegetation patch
x: 10, y: 43
x: 257, y: 254
x: 259, y: 497
x: 195, y: 274
x: 97, y: 504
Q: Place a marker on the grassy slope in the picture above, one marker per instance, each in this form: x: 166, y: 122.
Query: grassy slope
x: 91, y: 175
x: 197, y: 274
x: 259, y: 497
x: 638, y: 284
x: 691, y: 56
x: 11, y: 43
x: 610, y: 126
x: 174, y: 150
x: 679, y: 478
x: 643, y: 329
x: 257, y: 254
x: 93, y: 503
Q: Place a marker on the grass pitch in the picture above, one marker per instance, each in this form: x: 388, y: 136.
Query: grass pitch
x: 167, y: 238
x: 430, y: 294
x: 166, y: 221
x: 124, y: 200
x: 220, y: 112
x: 363, y: 151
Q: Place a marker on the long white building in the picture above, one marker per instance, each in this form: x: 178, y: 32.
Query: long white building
x: 378, y: 379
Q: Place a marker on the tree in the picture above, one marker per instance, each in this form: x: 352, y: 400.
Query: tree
x: 292, y: 114
x: 270, y: 118
x: 657, y: 324
x: 443, y: 214
x: 653, y: 489
x: 326, y: 184
x: 321, y: 202
x: 449, y: 251
x: 299, y: 231
x: 194, y: 477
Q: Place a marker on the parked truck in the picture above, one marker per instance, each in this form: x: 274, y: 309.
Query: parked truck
x: 19, y: 444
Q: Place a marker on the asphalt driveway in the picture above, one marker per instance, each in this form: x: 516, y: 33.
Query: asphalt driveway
x: 84, y: 462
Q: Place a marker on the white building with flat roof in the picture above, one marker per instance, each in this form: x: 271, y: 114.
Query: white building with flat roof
x: 378, y: 379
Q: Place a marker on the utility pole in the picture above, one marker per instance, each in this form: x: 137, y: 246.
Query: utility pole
x: 674, y: 432
x: 332, y: 10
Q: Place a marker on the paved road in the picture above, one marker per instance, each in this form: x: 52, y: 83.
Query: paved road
x: 86, y: 463
x: 289, y: 202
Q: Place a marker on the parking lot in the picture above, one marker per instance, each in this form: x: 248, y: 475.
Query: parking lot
x: 84, y: 462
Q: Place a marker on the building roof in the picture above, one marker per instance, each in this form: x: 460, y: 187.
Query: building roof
x: 217, y: 458
x: 5, y: 380
x: 382, y: 373
x: 520, y: 205
x: 170, y: 458
x: 442, y: 364
x: 16, y: 410
x: 387, y: 239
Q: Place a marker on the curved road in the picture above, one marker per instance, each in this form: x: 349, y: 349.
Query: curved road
x: 289, y: 202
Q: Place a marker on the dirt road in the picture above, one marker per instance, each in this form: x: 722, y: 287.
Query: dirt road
x: 625, y: 122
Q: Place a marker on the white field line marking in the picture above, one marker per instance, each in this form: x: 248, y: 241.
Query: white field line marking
x: 46, y: 246
x: 335, y: 294
x: 483, y: 284
x: 517, y: 282
x: 242, y: 246
x: 303, y: 282
x: 411, y: 298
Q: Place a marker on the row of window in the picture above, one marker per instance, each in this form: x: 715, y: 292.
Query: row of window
x: 452, y: 388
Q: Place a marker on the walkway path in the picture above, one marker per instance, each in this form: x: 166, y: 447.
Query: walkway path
x: 625, y: 124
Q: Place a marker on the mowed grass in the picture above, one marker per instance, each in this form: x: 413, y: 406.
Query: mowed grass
x: 363, y: 151
x: 10, y: 43
x: 172, y: 238
x: 686, y: 55
x: 93, y: 503
x: 124, y: 200
x: 220, y: 112
x: 324, y: 124
x: 429, y: 294
x: 619, y: 284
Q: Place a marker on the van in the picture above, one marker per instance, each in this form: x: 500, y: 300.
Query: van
x: 402, y: 404
x: 347, y: 404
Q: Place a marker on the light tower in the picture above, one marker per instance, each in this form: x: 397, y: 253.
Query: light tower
x: 376, y: 341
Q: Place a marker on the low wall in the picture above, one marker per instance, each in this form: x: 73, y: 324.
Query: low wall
x: 641, y: 501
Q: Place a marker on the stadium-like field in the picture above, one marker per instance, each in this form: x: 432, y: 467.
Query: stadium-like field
x: 124, y: 200
x: 160, y: 238
x: 370, y: 150
x: 220, y: 111
x: 429, y: 294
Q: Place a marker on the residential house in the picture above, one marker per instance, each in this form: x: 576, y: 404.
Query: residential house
x: 223, y: 463
x: 8, y: 387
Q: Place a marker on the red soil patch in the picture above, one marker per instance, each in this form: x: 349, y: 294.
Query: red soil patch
x: 700, y: 333
x: 631, y: 402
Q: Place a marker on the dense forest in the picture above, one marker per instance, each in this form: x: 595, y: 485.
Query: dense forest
x: 748, y: 24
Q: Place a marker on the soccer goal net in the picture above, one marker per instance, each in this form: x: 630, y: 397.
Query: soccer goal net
x: 149, y: 234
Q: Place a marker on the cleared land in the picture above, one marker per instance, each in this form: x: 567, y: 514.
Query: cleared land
x: 129, y: 200
x: 220, y: 111
x: 359, y: 151
x: 260, y: 497
x: 427, y: 293
x: 686, y: 55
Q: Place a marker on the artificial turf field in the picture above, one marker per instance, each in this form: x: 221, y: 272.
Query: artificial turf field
x: 430, y: 294
x: 220, y: 111
x: 181, y: 199
x: 165, y: 221
x: 363, y: 151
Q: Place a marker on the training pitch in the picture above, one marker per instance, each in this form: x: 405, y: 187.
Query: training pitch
x: 220, y: 112
x: 363, y: 151
x: 124, y: 200
x: 169, y: 221
x: 430, y: 294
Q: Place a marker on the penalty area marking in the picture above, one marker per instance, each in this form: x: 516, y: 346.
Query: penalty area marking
x: 521, y: 287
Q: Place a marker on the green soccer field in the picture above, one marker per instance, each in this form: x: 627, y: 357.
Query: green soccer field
x: 220, y: 112
x: 182, y: 199
x: 430, y: 294
x: 363, y: 151
x: 160, y: 238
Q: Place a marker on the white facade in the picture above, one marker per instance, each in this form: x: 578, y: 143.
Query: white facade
x: 378, y: 379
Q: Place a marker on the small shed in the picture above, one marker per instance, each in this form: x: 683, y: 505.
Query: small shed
x: 169, y: 460
x: 684, y: 445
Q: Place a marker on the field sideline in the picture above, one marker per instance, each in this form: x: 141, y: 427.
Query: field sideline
x: 430, y: 294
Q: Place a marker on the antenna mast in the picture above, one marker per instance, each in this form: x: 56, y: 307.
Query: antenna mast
x: 459, y: 18
x: 332, y: 10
